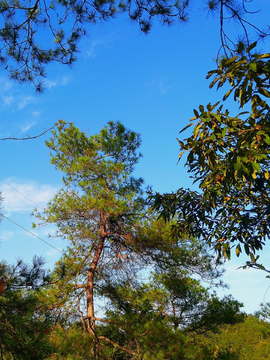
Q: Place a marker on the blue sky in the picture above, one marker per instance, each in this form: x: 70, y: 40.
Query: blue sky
x: 149, y: 83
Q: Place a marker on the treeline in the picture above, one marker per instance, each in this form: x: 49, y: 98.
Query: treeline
x: 134, y: 324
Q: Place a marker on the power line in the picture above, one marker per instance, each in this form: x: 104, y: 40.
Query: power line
x: 21, y: 194
x: 20, y: 225
x: 33, y: 234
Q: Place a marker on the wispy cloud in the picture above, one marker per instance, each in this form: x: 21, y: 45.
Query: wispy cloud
x: 25, y: 100
x: 5, y: 84
x: 63, y: 81
x: 6, y: 235
x: 20, y: 101
x: 36, y: 114
x: 20, y: 200
x: 105, y: 41
x: 8, y: 100
x: 163, y: 88
x: 91, y: 51
x: 159, y: 85
x: 53, y: 253
x: 27, y: 125
x: 13, y: 97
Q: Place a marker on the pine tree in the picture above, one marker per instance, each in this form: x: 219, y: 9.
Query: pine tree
x: 99, y: 211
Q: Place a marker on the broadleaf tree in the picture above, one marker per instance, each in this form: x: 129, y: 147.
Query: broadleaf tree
x: 228, y: 156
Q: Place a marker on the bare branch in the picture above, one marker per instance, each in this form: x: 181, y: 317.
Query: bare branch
x: 29, y: 137
x: 118, y: 346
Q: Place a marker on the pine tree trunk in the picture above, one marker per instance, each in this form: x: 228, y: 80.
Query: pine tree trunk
x: 90, y: 289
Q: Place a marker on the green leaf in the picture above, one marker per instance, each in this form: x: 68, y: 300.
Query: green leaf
x: 229, y: 61
x: 246, y: 246
x: 264, y: 92
x: 267, y: 139
x: 213, y: 83
x: 196, y: 113
x: 251, y: 46
x: 180, y: 143
x: 228, y: 93
x: 238, y: 250
x: 237, y: 165
x: 201, y: 108
x: 196, y: 131
x: 263, y: 56
x: 253, y: 66
x: 256, y: 166
x: 186, y: 127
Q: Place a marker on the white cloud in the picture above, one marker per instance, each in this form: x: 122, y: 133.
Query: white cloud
x: 20, y: 200
x: 8, y: 100
x: 163, y: 88
x: 36, y: 114
x: 5, y: 84
x: 49, y: 83
x: 27, y: 125
x: 54, y: 253
x: 25, y: 100
x: 106, y: 41
x: 63, y: 81
x: 20, y: 101
x: 6, y: 235
x: 160, y: 85
x: 13, y: 97
x: 91, y: 52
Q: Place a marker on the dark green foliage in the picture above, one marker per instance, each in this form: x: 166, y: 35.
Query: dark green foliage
x: 24, y: 322
x: 71, y: 343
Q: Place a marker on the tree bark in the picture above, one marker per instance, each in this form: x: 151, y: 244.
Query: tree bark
x: 90, y: 290
x: 90, y: 280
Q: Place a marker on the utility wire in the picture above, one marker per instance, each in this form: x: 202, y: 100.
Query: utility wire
x: 33, y: 234
x: 20, y: 193
x: 265, y: 294
x: 20, y: 225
